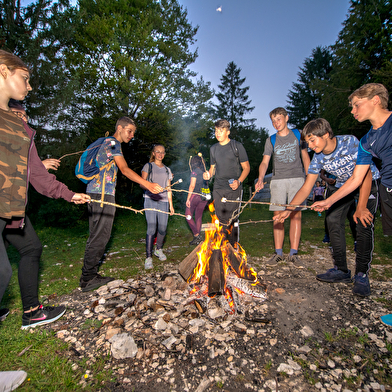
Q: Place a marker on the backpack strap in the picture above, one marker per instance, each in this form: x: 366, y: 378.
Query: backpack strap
x: 296, y: 132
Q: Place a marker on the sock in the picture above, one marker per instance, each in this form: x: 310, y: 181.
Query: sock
x: 293, y: 252
x: 279, y: 252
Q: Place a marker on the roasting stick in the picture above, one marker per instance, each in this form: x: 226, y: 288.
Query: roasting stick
x: 132, y: 209
x: 224, y: 200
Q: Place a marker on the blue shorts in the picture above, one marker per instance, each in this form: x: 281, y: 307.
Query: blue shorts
x: 283, y: 191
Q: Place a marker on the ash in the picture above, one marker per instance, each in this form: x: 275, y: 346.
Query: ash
x: 154, y: 334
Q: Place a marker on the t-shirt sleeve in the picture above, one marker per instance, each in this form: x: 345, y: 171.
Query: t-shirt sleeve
x: 315, y: 165
x: 268, y: 149
x: 242, y: 153
x: 364, y: 157
x: 170, y: 174
x: 112, y: 147
x: 145, y: 168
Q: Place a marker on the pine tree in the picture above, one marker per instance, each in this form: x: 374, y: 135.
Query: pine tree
x: 234, y: 103
x: 304, y: 98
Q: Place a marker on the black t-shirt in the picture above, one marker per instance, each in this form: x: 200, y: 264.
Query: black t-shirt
x: 227, y: 164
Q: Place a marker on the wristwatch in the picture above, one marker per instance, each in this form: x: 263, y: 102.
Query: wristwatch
x: 239, y: 182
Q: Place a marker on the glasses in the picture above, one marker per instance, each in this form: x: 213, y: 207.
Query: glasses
x: 160, y: 152
x: 21, y: 115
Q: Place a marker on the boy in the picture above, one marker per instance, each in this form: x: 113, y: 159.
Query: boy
x: 370, y: 102
x: 101, y: 218
x: 337, y: 155
x: 288, y: 176
x: 229, y: 162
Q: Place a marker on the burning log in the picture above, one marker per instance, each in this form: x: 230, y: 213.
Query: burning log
x: 216, y: 276
x: 256, y: 290
x: 237, y: 264
x: 188, y: 265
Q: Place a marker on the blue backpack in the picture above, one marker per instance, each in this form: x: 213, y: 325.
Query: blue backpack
x: 87, y: 168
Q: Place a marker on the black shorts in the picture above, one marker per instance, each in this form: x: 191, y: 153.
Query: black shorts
x: 386, y: 209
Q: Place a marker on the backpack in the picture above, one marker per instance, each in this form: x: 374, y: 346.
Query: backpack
x: 87, y: 168
x: 149, y: 173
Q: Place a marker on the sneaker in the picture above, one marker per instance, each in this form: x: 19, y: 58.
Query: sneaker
x: 326, y: 239
x: 94, y: 283
x: 294, y: 258
x: 275, y: 259
x: 41, y: 316
x: 159, y: 253
x: 11, y: 380
x: 148, y: 263
x: 4, y: 313
x: 196, y: 240
x: 387, y: 319
x: 361, y: 285
x: 334, y: 275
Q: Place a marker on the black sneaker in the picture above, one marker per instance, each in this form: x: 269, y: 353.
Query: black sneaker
x: 196, y: 240
x: 43, y: 315
x: 94, y: 283
x: 4, y: 313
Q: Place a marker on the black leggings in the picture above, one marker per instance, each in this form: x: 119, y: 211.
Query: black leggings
x: 29, y: 247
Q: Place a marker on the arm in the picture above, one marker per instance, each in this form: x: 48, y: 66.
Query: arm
x: 170, y: 198
x: 349, y: 186
x: 210, y: 173
x: 299, y: 198
x: 130, y: 174
x: 191, y: 189
x: 305, y: 159
x: 328, y: 180
x: 262, y: 170
x: 245, y: 171
x: 362, y: 213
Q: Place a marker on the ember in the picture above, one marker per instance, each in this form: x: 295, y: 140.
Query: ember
x: 216, y: 269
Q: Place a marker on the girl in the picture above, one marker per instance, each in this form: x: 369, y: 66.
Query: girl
x: 195, y: 203
x: 156, y: 171
x: 19, y: 166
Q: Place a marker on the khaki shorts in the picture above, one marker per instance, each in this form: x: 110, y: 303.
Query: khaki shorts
x: 283, y: 191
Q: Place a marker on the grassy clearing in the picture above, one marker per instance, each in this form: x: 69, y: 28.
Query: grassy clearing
x: 45, y: 358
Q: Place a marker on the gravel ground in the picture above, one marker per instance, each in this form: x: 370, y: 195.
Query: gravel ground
x: 307, y: 335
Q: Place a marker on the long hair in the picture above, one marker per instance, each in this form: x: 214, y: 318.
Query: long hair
x: 196, y: 162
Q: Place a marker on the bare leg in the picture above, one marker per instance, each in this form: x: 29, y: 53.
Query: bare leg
x: 295, y: 229
x: 278, y: 233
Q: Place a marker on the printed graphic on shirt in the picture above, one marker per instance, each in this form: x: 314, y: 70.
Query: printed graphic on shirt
x: 286, y: 153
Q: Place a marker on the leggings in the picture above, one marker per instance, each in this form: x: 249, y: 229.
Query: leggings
x: 155, y: 221
x: 29, y: 247
x: 197, y: 207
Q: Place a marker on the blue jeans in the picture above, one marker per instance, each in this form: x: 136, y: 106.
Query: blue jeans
x: 29, y: 247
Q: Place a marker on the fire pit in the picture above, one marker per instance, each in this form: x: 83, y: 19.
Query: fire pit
x: 216, y: 270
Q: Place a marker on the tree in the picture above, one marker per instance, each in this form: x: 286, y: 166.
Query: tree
x: 234, y: 102
x: 304, y: 98
x: 234, y: 105
x: 361, y: 54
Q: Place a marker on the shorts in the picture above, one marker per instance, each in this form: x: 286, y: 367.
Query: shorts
x: 283, y: 191
x: 386, y: 209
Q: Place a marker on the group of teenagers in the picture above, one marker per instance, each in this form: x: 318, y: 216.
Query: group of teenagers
x: 293, y: 177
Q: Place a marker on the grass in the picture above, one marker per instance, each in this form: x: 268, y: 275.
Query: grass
x: 45, y: 358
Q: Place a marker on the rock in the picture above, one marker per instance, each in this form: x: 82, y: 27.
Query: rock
x: 123, y: 346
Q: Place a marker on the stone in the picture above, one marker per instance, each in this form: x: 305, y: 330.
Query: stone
x: 123, y: 346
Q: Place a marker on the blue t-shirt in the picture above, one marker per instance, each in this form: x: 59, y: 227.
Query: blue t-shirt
x: 378, y: 143
x: 341, y: 162
x: 110, y: 148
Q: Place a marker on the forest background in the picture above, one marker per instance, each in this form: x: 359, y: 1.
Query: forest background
x: 94, y: 61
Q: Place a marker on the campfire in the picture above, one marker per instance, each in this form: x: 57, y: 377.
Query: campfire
x: 217, y: 270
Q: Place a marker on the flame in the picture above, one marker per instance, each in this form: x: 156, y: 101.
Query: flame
x: 215, y: 239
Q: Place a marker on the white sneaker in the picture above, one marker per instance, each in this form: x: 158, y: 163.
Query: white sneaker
x: 148, y: 263
x: 159, y: 253
x: 11, y: 380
